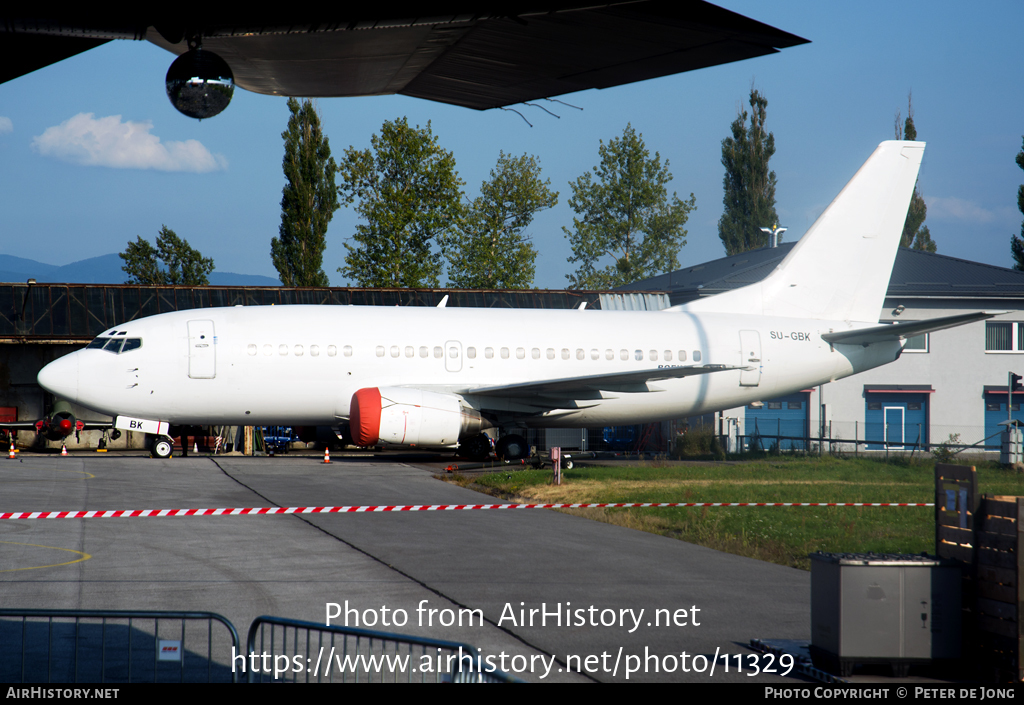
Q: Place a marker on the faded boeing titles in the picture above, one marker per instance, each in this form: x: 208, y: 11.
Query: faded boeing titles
x: 558, y: 615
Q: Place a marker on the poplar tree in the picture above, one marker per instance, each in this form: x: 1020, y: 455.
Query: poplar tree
x: 493, y: 251
x: 308, y: 202
x: 915, y: 233
x: 1017, y: 243
x: 623, y: 212
x: 749, y: 184
x: 409, y: 196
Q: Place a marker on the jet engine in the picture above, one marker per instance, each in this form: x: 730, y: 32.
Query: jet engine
x: 410, y: 417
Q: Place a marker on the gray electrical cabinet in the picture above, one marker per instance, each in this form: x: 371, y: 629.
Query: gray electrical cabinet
x: 883, y: 608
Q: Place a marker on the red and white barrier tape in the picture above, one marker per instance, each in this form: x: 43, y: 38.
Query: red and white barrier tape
x: 238, y: 511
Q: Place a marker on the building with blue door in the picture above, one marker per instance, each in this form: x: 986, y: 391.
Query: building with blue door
x: 948, y: 386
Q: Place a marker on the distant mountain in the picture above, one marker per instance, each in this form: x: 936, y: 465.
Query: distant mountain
x: 105, y: 269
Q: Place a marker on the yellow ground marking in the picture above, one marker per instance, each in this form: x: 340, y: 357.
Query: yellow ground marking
x: 84, y: 557
x: 88, y: 475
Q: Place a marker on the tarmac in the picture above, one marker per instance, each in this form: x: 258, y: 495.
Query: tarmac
x: 700, y: 607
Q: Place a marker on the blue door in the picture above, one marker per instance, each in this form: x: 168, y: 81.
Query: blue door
x: 782, y: 420
x: 896, y: 419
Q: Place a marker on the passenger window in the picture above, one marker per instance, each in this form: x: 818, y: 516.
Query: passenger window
x: 410, y: 351
x: 639, y: 354
x: 696, y: 355
x: 595, y: 354
x: 535, y: 353
x: 623, y: 354
x: 654, y: 355
x: 520, y: 353
x: 424, y: 351
x: 453, y: 352
x: 565, y: 353
x: 282, y: 350
x: 581, y: 354
x: 668, y: 356
x: 609, y: 354
x: 438, y: 352
x: 504, y: 353
x: 314, y: 351
x: 347, y: 350
x: 380, y: 351
x: 268, y: 349
x: 682, y: 356
x: 551, y: 353
x: 395, y: 352
x: 488, y: 353
x: 251, y: 349
x: 133, y: 343
x: 471, y: 353
x: 331, y: 351
x: 298, y: 351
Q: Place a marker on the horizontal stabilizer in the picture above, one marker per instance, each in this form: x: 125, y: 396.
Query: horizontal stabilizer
x: 607, y: 382
x: 901, y: 331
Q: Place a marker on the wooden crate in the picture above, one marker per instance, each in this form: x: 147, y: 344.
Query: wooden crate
x: 982, y: 533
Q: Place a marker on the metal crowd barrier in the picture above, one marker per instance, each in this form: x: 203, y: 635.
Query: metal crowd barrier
x: 114, y: 646
x: 289, y: 650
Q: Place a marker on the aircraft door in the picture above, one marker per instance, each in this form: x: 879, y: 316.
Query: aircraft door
x: 750, y: 356
x: 202, y: 350
x: 453, y: 356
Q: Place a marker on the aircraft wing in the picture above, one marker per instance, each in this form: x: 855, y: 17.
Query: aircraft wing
x: 586, y: 386
x: 479, y: 55
x: 900, y: 331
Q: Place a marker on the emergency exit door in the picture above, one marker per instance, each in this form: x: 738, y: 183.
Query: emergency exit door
x: 202, y: 351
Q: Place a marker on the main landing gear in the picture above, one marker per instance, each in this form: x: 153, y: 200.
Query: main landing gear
x: 511, y: 447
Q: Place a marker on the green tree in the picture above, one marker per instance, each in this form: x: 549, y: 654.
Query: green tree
x: 915, y: 233
x: 308, y: 201
x: 749, y: 185
x: 623, y: 211
x: 1017, y: 243
x: 181, y: 265
x: 492, y: 250
x: 410, y: 197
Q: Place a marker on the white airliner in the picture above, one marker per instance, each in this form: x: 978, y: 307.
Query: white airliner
x: 438, y: 377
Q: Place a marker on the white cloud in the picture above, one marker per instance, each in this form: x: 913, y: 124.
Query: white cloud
x: 6, y: 125
x: 958, y: 209
x: 107, y: 141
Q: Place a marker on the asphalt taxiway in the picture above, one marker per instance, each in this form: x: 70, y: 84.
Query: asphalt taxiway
x: 512, y: 565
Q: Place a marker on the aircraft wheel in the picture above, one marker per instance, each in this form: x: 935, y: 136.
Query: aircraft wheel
x: 476, y: 448
x: 512, y: 447
x: 162, y: 447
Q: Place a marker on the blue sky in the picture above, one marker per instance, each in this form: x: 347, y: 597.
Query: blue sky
x: 218, y: 182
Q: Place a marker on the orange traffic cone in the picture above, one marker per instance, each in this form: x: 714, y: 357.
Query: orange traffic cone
x: 11, y: 455
x: 327, y: 456
x: 63, y: 449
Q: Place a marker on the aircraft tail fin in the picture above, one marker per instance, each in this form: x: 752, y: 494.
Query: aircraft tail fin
x: 839, y: 269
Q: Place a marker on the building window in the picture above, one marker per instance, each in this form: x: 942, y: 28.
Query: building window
x: 917, y: 344
x: 1004, y: 336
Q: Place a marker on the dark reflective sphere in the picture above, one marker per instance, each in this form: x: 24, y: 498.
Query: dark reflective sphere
x: 200, y: 84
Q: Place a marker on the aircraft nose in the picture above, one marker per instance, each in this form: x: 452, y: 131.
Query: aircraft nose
x: 60, y: 377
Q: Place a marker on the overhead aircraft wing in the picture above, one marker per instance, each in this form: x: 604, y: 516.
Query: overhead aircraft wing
x: 615, y: 381
x: 899, y: 331
x: 479, y: 55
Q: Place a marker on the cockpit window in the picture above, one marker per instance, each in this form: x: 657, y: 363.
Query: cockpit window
x: 115, y: 345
